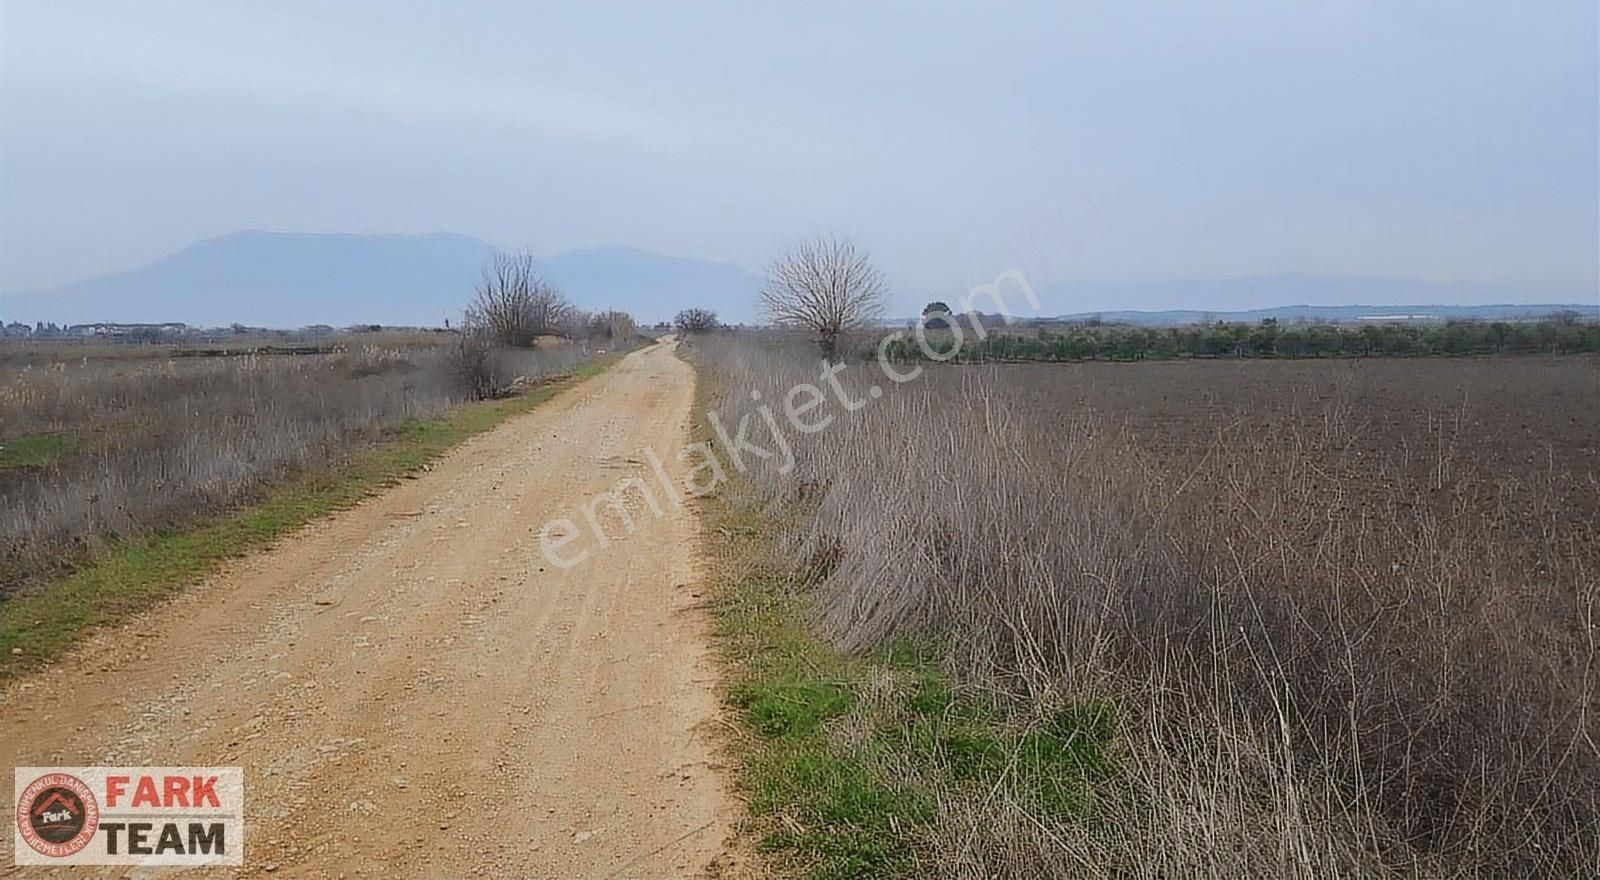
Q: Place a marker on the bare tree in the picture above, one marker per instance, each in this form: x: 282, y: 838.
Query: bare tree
x: 513, y: 305
x: 827, y: 286
x: 696, y: 321
x: 611, y: 324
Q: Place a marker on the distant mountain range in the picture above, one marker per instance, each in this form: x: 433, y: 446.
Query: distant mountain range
x: 281, y: 279
x: 1335, y: 298
x: 1257, y: 297
x: 1344, y: 314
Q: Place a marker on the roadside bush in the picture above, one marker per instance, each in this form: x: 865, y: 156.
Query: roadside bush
x: 472, y: 363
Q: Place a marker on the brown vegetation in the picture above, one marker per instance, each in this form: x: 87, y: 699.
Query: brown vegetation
x: 1341, y: 616
x: 612, y: 324
x: 93, y: 450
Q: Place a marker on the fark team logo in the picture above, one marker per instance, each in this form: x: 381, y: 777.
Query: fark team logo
x: 57, y: 815
x: 129, y: 816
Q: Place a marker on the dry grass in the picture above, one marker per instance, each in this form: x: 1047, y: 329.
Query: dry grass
x: 1345, y: 613
x: 100, y: 449
x: 137, y: 573
x: 21, y: 353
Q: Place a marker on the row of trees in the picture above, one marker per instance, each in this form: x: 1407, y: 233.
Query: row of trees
x: 1267, y: 339
x: 829, y: 288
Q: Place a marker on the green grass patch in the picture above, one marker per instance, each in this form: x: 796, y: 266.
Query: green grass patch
x: 841, y: 820
x: 35, y: 450
x: 843, y: 760
x: 1049, y: 766
x: 133, y: 575
x: 791, y: 708
x: 820, y: 809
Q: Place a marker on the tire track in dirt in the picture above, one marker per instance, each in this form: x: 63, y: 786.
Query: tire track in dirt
x: 413, y: 690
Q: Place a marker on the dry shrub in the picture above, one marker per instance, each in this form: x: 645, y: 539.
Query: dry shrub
x: 1333, y: 652
x: 161, y: 442
x: 472, y: 364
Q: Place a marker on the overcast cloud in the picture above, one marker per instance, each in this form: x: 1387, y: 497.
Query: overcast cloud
x: 1427, y: 140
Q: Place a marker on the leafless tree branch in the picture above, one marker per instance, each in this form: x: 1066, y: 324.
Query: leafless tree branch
x: 827, y: 286
x: 513, y: 305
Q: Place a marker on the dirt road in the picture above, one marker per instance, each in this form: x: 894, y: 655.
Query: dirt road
x: 412, y: 689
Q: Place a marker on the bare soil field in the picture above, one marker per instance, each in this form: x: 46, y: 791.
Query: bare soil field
x: 414, y: 691
x: 1508, y: 422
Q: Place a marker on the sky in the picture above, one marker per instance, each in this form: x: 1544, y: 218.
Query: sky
x: 1442, y: 140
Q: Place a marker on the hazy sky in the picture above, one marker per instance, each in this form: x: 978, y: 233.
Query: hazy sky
x: 1448, y: 140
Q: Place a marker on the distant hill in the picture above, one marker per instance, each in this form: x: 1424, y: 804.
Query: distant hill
x: 1335, y: 298
x: 280, y: 279
x: 1345, y: 314
x: 1254, y: 298
x: 283, y: 279
x: 277, y: 279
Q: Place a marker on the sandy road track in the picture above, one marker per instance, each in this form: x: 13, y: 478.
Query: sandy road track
x: 413, y: 690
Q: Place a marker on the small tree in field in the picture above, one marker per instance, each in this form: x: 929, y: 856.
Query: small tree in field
x: 936, y: 316
x: 611, y: 324
x: 826, y: 286
x: 513, y: 305
x: 696, y: 321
